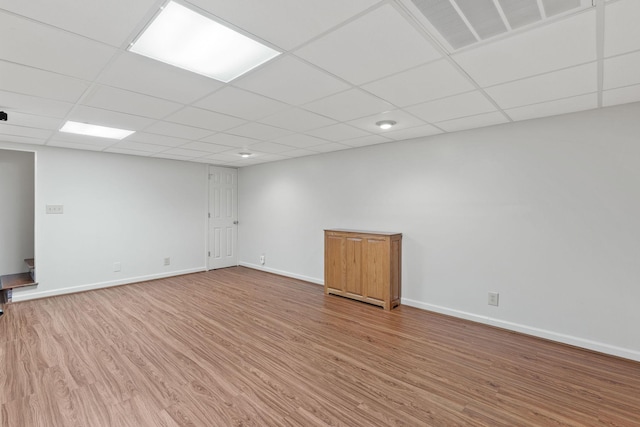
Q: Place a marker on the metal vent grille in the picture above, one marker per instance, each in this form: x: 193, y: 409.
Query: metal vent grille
x: 462, y: 23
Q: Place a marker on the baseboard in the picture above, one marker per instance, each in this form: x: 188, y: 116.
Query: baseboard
x: 82, y: 288
x: 528, y: 330
x: 283, y: 273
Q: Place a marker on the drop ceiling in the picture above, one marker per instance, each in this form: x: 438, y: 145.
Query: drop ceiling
x: 433, y: 66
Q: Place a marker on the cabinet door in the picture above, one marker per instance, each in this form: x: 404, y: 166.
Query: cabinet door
x: 354, y: 265
x: 334, y: 269
x: 377, y: 269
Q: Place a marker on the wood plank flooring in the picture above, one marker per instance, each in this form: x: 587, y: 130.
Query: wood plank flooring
x: 238, y: 347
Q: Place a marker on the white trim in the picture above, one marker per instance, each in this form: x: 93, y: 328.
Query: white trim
x: 529, y: 330
x: 283, y: 273
x: 101, y: 285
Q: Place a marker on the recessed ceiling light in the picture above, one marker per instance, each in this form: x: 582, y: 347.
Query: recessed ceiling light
x: 95, y: 130
x: 245, y: 155
x: 385, y: 124
x: 183, y: 38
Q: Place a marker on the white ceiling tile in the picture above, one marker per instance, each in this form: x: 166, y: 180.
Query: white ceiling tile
x: 292, y: 81
x: 240, y: 103
x: 34, y: 82
x: 366, y: 140
x: 124, y: 101
x: 98, y: 116
x: 624, y: 95
x: 173, y: 157
x: 111, y: 22
x: 349, y: 105
x: 10, y: 129
x: 552, y: 108
x: 33, y: 121
x: 230, y: 140
x: 41, y: 46
x: 403, y: 120
x: 139, y: 146
x: 330, y: 146
x: 564, y: 43
x: 118, y: 150
x: 467, y: 104
x: 622, y: 32
x: 141, y: 74
x: 337, y: 132
x: 269, y: 147
x: 297, y: 120
x: 425, y: 83
x: 298, y: 153
x: 481, y: 120
x: 622, y: 70
x: 377, y: 44
x: 259, y: 131
x: 84, y: 139
x: 300, y: 141
x: 154, y: 139
x: 23, y: 139
x: 205, y: 146
x: 76, y: 145
x: 177, y: 131
x: 547, y: 87
x: 33, y: 105
x: 416, y: 132
x: 185, y: 153
x: 205, y: 119
x: 229, y: 156
x: 285, y: 23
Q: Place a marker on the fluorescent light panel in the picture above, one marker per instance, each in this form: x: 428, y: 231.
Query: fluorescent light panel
x: 183, y: 38
x: 95, y: 130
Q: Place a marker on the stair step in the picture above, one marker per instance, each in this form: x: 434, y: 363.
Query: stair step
x: 11, y: 281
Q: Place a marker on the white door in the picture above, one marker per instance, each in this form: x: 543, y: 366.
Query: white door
x: 223, y: 217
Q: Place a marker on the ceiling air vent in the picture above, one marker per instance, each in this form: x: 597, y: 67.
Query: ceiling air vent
x: 462, y: 23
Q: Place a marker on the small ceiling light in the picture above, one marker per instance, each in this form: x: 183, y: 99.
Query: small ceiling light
x: 95, y: 130
x: 186, y: 39
x: 245, y: 155
x: 385, y: 124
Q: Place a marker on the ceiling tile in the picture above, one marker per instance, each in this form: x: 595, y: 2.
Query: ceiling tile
x: 298, y: 153
x: 177, y: 131
x: 376, y: 45
x: 139, y: 146
x: 30, y: 120
x: 349, y: 105
x: 31, y: 81
x: 23, y: 139
x: 297, y: 120
x: 240, y: 103
x: 205, y: 146
x: 230, y: 140
x: 366, y: 140
x: 185, y: 153
x: 403, y: 120
x: 76, y: 145
x: 292, y: 81
x: 141, y: 74
x: 119, y: 150
x: 622, y: 32
x: 285, y: 23
x: 173, y: 157
x: 624, y: 95
x: 622, y: 70
x: 269, y: 147
x: 425, y: 83
x: 98, y: 116
x: 83, y: 139
x: 33, y: 105
x: 113, y: 99
x: 416, y: 132
x: 259, y: 131
x: 41, y: 46
x: 205, y: 119
x: 563, y: 43
x: 467, y: 104
x: 111, y: 22
x: 547, y: 87
x: 154, y: 139
x: 30, y: 132
x: 481, y: 120
x: 300, y: 141
x: 337, y: 132
x: 552, y: 108
x: 330, y: 146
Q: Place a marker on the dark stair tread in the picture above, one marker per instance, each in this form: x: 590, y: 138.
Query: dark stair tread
x: 11, y: 281
x: 31, y: 263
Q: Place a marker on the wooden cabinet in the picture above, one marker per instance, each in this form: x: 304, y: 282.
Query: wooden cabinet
x: 363, y: 265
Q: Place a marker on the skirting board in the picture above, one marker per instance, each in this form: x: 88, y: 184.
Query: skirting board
x: 283, y: 273
x: 528, y: 330
x: 101, y: 285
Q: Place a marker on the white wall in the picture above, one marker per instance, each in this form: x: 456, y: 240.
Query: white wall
x: 545, y: 212
x: 117, y: 208
x: 16, y: 210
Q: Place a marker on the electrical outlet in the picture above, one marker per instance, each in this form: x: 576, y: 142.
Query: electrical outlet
x: 55, y: 209
x: 116, y: 266
x: 494, y: 298
x: 167, y: 261
x: 262, y: 259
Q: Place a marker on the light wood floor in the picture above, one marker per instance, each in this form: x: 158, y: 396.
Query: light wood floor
x: 238, y: 347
